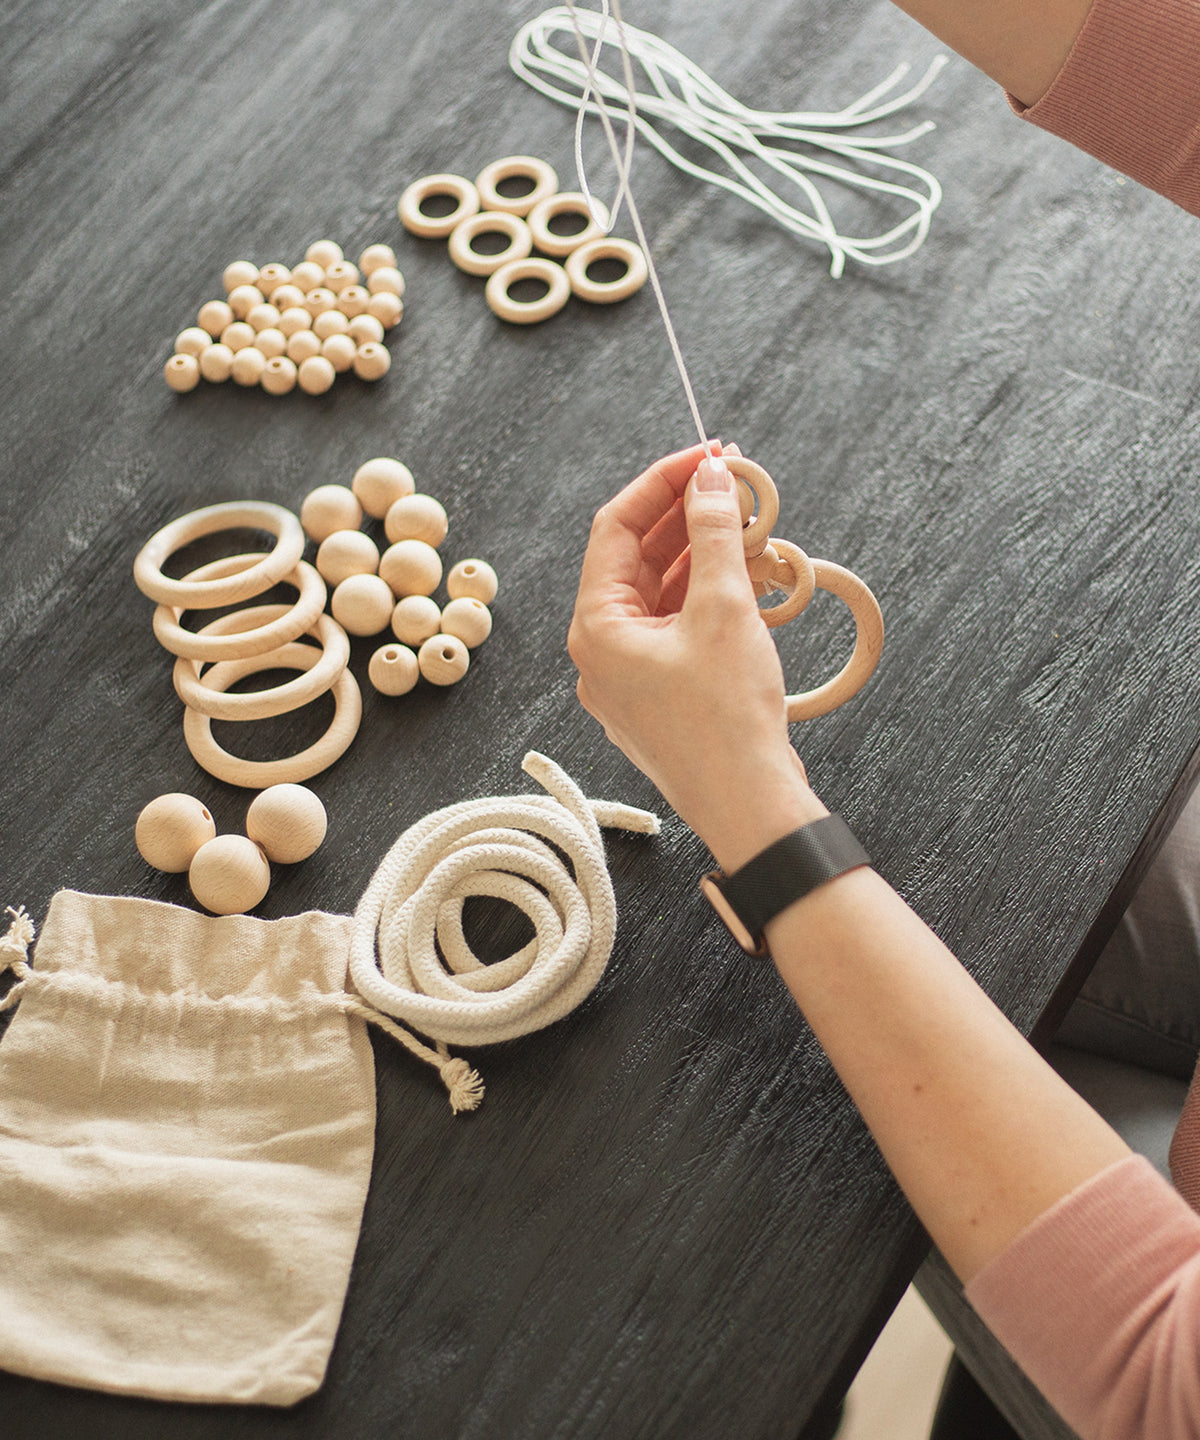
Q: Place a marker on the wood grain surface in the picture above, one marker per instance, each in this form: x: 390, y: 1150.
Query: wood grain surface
x: 667, y: 1219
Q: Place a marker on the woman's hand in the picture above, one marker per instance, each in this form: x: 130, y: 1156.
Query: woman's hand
x: 676, y: 663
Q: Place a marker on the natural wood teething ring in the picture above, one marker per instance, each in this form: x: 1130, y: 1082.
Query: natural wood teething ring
x: 229, y: 590
x: 528, y: 167
x: 292, y: 769
x: 569, y: 202
x: 753, y: 481
x: 868, y: 644
x: 208, y: 644
x: 436, y: 227
x: 489, y: 222
x: 795, y: 573
x: 597, y: 292
x: 519, y: 312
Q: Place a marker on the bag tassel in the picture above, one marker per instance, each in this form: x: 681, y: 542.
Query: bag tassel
x: 463, y: 1083
x: 14, y: 953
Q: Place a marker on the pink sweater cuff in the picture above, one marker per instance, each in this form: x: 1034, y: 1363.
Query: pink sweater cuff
x: 1129, y: 94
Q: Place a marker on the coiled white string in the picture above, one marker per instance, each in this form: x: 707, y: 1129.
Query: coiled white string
x: 413, y: 908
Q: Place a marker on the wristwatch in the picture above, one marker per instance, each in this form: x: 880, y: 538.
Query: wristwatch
x: 779, y: 876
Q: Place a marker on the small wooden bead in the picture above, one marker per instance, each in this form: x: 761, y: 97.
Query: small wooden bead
x: 379, y: 483
x: 216, y: 364
x: 761, y: 567
x: 192, y: 341
x: 324, y: 253
x: 329, y: 322
x: 328, y: 509
x: 362, y: 604
x: 443, y: 659
x: 363, y: 329
x: 386, y: 278
x: 411, y: 567
x: 346, y: 553
x: 386, y: 308
x: 243, y: 299
x: 472, y: 580
x: 241, y: 272
x: 238, y: 335
x: 271, y: 342
x: 341, y: 275
x: 393, y: 670
x: 375, y: 256
x: 415, y: 619
x: 182, y: 373
x: 229, y: 875
x: 214, y: 315
x: 170, y: 830
x: 371, y: 361
x: 272, y: 276
x: 340, y: 351
x: 307, y: 276
x: 248, y: 366
x: 288, y: 297
x: 469, y: 620
x: 287, y: 822
x: 263, y: 317
x: 278, y: 376
x: 293, y: 319
x: 319, y: 300
x: 302, y: 345
x: 316, y: 375
x: 353, y: 301
x: 416, y: 517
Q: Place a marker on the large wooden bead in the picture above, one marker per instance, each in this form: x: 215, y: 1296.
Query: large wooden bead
x: 272, y: 276
x: 317, y: 301
x: 229, y: 875
x: 340, y: 351
x: 416, y: 517
x: 393, y: 670
x: 214, y: 316
x: 307, y: 276
x: 192, y: 341
x: 363, y: 329
x: 362, y: 605
x: 288, y: 297
x: 294, y: 319
x: 415, y: 619
x: 324, y: 253
x: 171, y: 829
x: 443, y: 659
x: 371, y: 361
x: 278, y: 376
x: 329, y: 322
x: 216, y: 364
x: 386, y: 278
x: 327, y: 509
x: 238, y: 335
x: 271, y: 342
x: 411, y: 567
x: 248, y: 366
x: 243, y: 299
x: 302, y: 345
x: 379, y: 483
x: 374, y: 257
x: 316, y: 375
x: 346, y: 553
x: 472, y: 580
x: 469, y: 620
x: 353, y: 301
x: 263, y: 317
x: 341, y: 275
x: 386, y: 308
x: 241, y: 272
x: 287, y: 822
x: 182, y: 373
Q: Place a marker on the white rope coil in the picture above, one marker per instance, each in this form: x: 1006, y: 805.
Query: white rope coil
x: 409, y: 957
x: 684, y: 96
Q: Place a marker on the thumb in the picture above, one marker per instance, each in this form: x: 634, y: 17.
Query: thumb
x: 714, y: 527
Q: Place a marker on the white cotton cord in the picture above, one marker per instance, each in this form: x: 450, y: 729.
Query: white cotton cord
x: 14, y: 953
x: 409, y: 958
x: 683, y: 96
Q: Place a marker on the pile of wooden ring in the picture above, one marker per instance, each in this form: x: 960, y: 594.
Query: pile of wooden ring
x: 775, y: 564
x: 524, y: 222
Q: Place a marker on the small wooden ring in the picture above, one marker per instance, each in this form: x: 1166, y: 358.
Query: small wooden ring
x: 292, y: 769
x: 206, y: 594
x: 753, y: 478
x: 801, y: 583
x: 436, y: 227
x: 205, y: 645
x: 531, y: 268
x: 868, y: 644
x: 520, y: 241
x: 194, y: 690
x: 570, y: 202
x: 545, y: 183
x: 593, y: 291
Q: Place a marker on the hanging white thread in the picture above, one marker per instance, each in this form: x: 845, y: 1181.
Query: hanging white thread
x: 413, y: 907
x: 14, y: 951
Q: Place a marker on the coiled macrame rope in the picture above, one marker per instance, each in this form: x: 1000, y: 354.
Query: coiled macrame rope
x: 413, y: 908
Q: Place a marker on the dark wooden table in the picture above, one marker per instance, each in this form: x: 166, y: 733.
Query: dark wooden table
x: 667, y: 1220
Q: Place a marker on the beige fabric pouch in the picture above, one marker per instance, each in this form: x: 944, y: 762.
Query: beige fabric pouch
x: 186, y: 1128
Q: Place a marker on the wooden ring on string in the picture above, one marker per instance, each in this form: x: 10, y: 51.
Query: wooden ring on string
x: 526, y: 167
x: 754, y: 482
x: 570, y: 202
x: 208, y: 645
x: 195, y: 692
x: 520, y: 312
x: 230, y: 590
x: 795, y: 573
x: 868, y: 643
x: 436, y: 227
x: 597, y: 292
x: 292, y: 769
x: 488, y: 222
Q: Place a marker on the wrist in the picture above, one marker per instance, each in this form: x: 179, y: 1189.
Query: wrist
x: 759, y: 816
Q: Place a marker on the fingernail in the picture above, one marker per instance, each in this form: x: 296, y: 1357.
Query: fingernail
x: 713, y: 474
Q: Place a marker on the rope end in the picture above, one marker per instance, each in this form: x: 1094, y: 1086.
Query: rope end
x: 21, y: 932
x: 463, y: 1083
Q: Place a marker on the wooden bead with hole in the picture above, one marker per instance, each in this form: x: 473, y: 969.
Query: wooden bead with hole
x: 278, y: 376
x: 317, y: 301
x: 238, y: 335
x: 182, y: 373
x: 248, y: 366
x: 213, y: 317
x: 416, y: 517
x: 329, y: 322
x: 340, y: 276
x: 294, y: 319
x: 243, y: 299
x: 324, y: 253
x: 307, y: 276
x: 216, y: 364
x: 170, y: 830
x: 371, y: 361
x: 386, y: 279
x: 192, y: 341
x: 375, y: 257
x: 386, y: 308
x: 241, y: 272
x: 287, y: 823
x: 469, y: 620
x: 443, y: 659
x: 229, y: 875
x: 415, y: 619
x: 346, y: 553
x: 340, y: 351
x: 316, y: 375
x: 379, y: 483
x: 362, y: 604
x: 393, y: 670
x: 410, y: 567
x: 327, y: 509
x: 353, y: 301
x: 263, y: 317
x: 288, y: 297
x: 302, y: 345
x: 364, y: 329
x: 271, y: 342
x: 472, y: 580
x: 272, y: 276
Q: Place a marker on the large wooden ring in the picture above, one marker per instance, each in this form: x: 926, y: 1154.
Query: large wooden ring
x: 520, y: 241
x: 208, y: 645
x: 545, y: 183
x: 570, y: 202
x: 519, y: 312
x: 194, y: 690
x: 754, y: 482
x: 436, y: 227
x: 595, y: 291
x: 868, y: 643
x: 794, y: 573
x: 292, y: 769
x: 231, y: 589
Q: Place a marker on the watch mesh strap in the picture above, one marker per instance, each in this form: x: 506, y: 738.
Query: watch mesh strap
x: 790, y: 868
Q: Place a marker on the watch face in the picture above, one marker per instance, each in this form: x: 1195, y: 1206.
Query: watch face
x: 711, y: 888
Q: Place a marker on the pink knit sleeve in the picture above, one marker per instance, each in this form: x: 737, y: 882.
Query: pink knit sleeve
x: 1129, y: 93
x: 1099, y: 1303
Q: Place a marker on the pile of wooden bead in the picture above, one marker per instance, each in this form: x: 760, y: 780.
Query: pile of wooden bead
x: 230, y: 874
x: 372, y: 591
x: 524, y: 222
x: 281, y: 327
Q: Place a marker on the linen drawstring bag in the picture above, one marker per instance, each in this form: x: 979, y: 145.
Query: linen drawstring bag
x: 186, y: 1128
